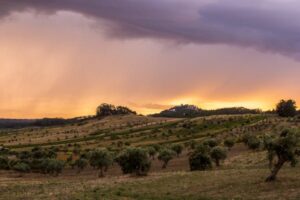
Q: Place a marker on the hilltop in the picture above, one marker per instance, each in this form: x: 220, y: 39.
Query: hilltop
x: 190, y: 111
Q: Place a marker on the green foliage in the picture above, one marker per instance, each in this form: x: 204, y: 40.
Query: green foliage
x: 21, y: 167
x: 81, y: 163
x: 253, y: 143
x: 101, y: 159
x: 24, y: 155
x: 77, y: 149
x: 211, y: 142
x: 157, y: 147
x: 178, y: 148
x: 52, y: 166
x: 165, y: 155
x: 134, y: 160
x: 285, y: 149
x: 4, y: 163
x: 286, y: 108
x: 229, y: 142
x: 192, y: 144
x: 217, y: 154
x: 152, y: 152
x: 200, y: 158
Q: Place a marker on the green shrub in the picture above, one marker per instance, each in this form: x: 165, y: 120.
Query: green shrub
x: 165, y: 155
x: 81, y: 163
x: 200, y: 158
x: 178, y: 148
x: 21, y: 167
x: 52, y: 166
x: 152, y: 152
x: 134, y: 160
x: 254, y: 143
x: 101, y: 159
x: 218, y: 154
x: 229, y: 142
x: 4, y: 163
x: 212, y: 142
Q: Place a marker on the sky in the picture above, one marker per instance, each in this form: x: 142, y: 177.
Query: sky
x: 62, y: 58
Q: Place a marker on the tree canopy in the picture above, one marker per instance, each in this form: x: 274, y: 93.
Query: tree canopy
x: 286, y: 108
x: 109, y: 109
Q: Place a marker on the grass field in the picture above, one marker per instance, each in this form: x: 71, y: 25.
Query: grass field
x: 241, y: 175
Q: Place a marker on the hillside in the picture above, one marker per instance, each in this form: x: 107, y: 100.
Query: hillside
x: 240, y: 176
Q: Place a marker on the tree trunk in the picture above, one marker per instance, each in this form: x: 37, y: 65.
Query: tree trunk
x: 275, y: 171
x: 164, y: 166
x: 217, y: 163
x: 101, y: 173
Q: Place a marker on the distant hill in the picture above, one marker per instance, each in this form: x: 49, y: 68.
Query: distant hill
x: 190, y: 111
x: 15, y: 123
x: 104, y: 110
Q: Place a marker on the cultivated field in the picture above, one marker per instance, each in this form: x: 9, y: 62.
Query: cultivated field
x: 241, y: 175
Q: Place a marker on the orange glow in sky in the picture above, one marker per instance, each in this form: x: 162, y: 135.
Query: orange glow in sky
x: 65, y: 65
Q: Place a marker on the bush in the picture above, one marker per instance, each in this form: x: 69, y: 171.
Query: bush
x: 4, y: 163
x: 253, y: 143
x: 81, y: 163
x: 134, y: 160
x: 52, y: 166
x: 210, y: 142
x: 165, y: 155
x: 24, y: 155
x: 229, y: 142
x: 101, y: 159
x: 200, y: 158
x: 218, y: 154
x: 152, y: 152
x: 178, y: 148
x: 192, y: 144
x: 21, y: 167
x: 37, y: 164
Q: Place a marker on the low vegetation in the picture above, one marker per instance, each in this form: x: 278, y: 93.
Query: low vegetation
x: 219, y: 156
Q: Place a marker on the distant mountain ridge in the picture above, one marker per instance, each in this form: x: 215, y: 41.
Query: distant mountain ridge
x: 186, y: 110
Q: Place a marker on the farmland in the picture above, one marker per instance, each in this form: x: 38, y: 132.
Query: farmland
x: 240, y: 176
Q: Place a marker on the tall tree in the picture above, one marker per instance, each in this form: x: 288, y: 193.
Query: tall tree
x: 286, y: 108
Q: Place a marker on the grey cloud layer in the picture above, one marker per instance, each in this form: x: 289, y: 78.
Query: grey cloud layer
x: 267, y: 25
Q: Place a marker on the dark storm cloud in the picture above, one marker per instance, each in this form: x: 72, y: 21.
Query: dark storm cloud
x: 267, y: 25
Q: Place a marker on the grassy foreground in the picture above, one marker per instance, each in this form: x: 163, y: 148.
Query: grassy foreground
x: 217, y: 184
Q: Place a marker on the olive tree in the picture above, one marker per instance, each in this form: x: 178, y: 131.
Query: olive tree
x: 211, y: 142
x: 81, y: 163
x: 165, y: 155
x: 134, y: 160
x: 229, y: 142
x: 152, y: 152
x: 254, y: 143
x: 200, y: 158
x: 178, y: 148
x: 52, y: 166
x: 284, y: 149
x: 217, y: 154
x: 101, y: 160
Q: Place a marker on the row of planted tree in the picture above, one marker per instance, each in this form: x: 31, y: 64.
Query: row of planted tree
x: 134, y: 160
